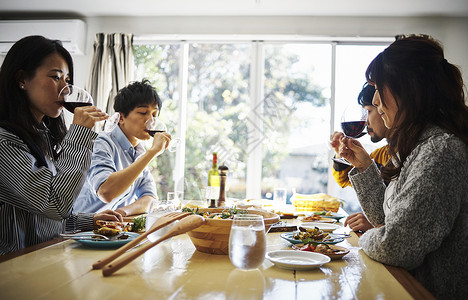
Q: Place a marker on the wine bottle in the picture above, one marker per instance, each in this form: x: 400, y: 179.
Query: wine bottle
x: 213, y: 182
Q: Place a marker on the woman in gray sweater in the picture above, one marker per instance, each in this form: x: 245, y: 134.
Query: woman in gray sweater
x: 421, y: 218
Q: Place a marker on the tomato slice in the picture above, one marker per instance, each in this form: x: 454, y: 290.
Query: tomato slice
x: 308, y: 247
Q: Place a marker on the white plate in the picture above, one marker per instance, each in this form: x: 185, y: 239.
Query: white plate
x: 322, y: 226
x: 297, y: 260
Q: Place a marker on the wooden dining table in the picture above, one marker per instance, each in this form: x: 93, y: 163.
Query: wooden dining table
x: 61, y: 269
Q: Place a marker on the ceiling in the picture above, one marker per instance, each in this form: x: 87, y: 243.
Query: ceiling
x: 92, y: 8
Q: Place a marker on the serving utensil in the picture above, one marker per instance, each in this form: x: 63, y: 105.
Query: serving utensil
x: 186, y: 224
x: 164, y: 220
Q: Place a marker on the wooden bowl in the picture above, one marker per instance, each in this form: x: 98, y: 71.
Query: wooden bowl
x: 213, y: 236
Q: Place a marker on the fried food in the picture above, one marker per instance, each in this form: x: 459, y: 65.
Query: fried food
x: 109, y: 228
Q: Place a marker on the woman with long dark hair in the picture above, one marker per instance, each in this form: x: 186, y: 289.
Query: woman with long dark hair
x: 43, y: 166
x: 424, y: 209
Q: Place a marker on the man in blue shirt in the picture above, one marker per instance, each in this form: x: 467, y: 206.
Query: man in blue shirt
x: 119, y: 178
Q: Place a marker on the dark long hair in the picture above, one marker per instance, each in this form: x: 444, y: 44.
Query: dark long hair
x: 27, y: 55
x: 427, y: 89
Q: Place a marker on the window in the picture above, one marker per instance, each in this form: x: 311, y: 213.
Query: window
x: 265, y: 107
x: 296, y: 118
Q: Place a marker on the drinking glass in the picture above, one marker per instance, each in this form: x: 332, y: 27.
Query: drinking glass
x: 72, y: 97
x: 176, y: 198
x: 112, y: 122
x: 353, y: 122
x: 247, y: 243
x: 279, y: 197
x: 156, y: 210
x: 155, y: 125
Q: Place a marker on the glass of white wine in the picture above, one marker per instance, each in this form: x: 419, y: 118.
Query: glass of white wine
x: 247, y: 243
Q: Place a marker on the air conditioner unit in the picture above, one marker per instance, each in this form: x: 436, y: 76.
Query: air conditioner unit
x: 72, y: 33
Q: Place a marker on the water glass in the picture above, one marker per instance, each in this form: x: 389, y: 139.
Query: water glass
x: 156, y: 210
x: 176, y: 197
x: 279, y: 197
x: 247, y: 243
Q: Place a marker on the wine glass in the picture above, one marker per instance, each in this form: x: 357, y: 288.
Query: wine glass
x: 72, y: 97
x: 155, y: 125
x: 247, y: 243
x: 353, y: 122
x: 112, y: 122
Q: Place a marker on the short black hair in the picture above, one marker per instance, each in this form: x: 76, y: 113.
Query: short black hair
x: 136, y: 94
x: 366, y: 95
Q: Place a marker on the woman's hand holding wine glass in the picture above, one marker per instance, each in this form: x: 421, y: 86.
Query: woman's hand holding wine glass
x: 353, y: 122
x: 353, y: 151
x: 79, y: 102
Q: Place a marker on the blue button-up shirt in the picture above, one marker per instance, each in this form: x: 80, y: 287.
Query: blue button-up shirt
x: 113, y: 152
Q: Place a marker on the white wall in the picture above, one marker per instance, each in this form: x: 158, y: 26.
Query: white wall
x: 452, y: 32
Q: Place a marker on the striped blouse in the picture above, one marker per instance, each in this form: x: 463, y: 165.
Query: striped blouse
x: 36, y: 203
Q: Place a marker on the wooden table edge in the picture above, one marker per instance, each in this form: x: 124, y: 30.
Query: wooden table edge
x: 409, y: 283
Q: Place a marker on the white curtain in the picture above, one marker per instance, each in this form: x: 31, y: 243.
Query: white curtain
x: 111, y: 68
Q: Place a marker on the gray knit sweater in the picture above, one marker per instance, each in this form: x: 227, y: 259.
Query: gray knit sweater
x: 426, y: 217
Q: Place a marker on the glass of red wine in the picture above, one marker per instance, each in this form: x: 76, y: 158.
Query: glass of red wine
x: 155, y: 125
x: 353, y: 122
x: 72, y: 97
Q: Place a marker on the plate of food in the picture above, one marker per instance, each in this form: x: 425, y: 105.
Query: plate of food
x: 299, y: 237
x: 109, y: 235
x: 328, y: 214
x: 297, y: 260
x: 97, y: 242
x: 325, y: 227
x: 318, y: 218
x: 332, y: 251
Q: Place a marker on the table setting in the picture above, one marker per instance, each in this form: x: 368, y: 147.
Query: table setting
x: 201, y: 255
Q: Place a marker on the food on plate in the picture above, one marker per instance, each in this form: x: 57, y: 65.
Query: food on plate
x: 323, y: 213
x: 318, y: 218
x: 310, y: 235
x: 227, y: 213
x: 109, y: 228
x: 334, y: 252
x: 320, y: 248
x: 137, y: 225
x: 315, y: 202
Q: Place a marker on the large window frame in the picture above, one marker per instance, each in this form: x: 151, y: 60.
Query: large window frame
x: 254, y: 161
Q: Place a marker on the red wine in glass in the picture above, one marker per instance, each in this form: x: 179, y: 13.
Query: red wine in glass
x: 155, y: 125
x: 353, y: 128
x: 70, y: 106
x: 353, y: 122
x: 153, y: 132
x: 72, y: 97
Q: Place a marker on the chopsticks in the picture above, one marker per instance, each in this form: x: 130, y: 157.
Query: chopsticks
x: 161, y: 222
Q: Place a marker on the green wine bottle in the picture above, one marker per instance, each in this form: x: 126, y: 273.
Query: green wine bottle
x: 213, y: 183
